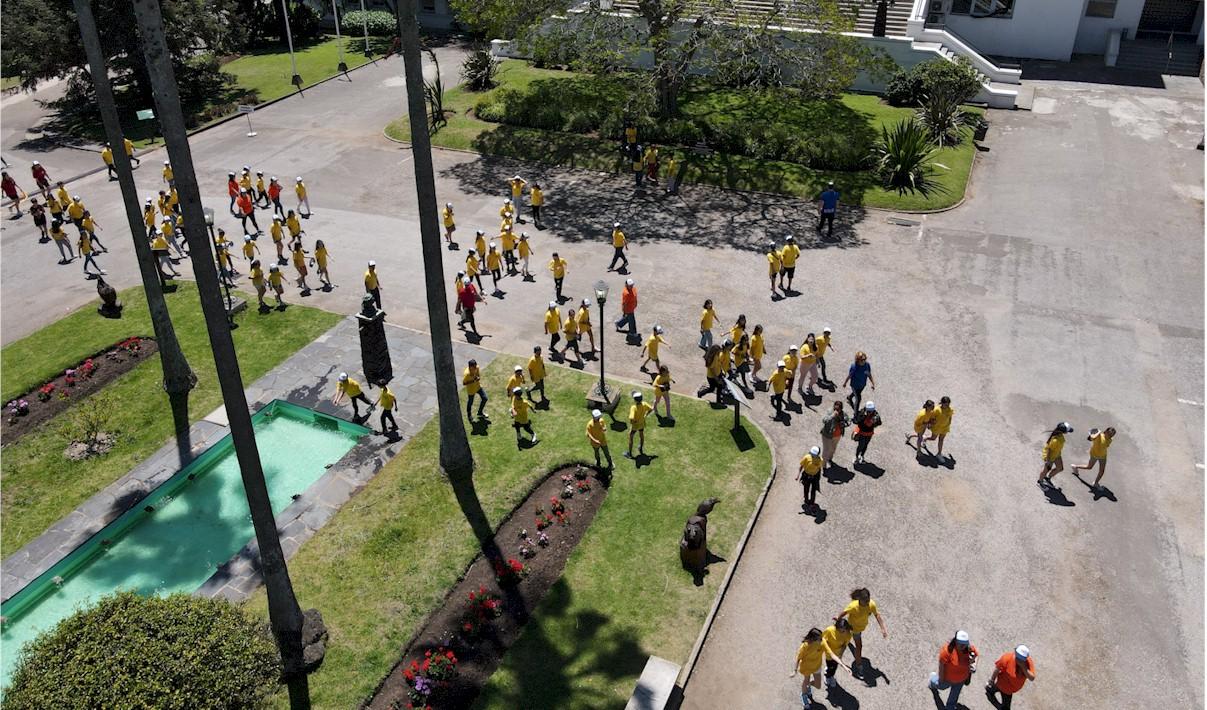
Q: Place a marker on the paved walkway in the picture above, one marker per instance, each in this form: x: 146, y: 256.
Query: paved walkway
x: 1042, y: 298
x: 307, y: 378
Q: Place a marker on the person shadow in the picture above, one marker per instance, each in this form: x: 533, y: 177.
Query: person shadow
x: 644, y: 459
x: 665, y: 422
x: 837, y: 475
x: 1102, y: 492
x: 838, y: 697
x: 1056, y: 496
x: 699, y: 575
x: 783, y: 417
x: 941, y: 704
x: 542, y: 405
x: 818, y: 513
x: 870, y: 470
x: 871, y: 675
x: 474, y: 338
x: 480, y: 427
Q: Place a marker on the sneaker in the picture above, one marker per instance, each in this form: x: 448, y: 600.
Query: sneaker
x: 535, y: 440
x: 628, y: 454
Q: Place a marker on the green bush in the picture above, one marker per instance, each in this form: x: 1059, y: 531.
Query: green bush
x: 958, y: 80
x: 379, y: 22
x: 131, y: 651
x: 904, y: 158
x: 304, y: 23
x: 478, y: 70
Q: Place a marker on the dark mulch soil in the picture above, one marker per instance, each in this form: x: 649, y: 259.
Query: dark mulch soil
x: 479, y: 657
x: 111, y: 363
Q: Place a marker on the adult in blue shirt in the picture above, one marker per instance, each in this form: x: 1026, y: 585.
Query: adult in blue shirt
x: 858, y: 376
x: 827, y: 207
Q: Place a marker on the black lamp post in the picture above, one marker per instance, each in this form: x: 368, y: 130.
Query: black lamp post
x: 601, y: 297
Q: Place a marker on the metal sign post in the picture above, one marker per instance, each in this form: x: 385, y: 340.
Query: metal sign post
x: 249, y: 110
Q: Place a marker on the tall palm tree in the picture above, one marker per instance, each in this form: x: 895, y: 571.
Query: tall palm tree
x: 178, y: 377
x: 284, y: 613
x: 455, y: 456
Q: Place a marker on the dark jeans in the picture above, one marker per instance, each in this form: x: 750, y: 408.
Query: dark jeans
x: 376, y: 294
x: 538, y: 385
x: 522, y: 427
x: 263, y: 197
x: 467, y: 316
x: 252, y: 217
x: 861, y: 446
x: 618, y: 256
x: 855, y: 398
x: 777, y: 401
x: 362, y: 398
x: 387, y: 414
x: 812, y: 485
x: 831, y: 667
x: 557, y: 289
x: 554, y: 338
x: 469, y: 403
x: 628, y: 320
x: 233, y: 198
x: 112, y: 171
x: 1006, y: 698
x: 821, y: 364
x: 536, y: 215
x: 826, y: 218
x: 277, y: 209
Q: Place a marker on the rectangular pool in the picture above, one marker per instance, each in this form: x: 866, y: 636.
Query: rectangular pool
x: 175, y: 539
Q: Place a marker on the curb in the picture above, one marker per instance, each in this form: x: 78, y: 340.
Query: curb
x: 698, y: 647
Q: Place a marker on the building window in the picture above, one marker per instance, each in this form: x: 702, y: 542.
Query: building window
x: 982, y: 8
x: 429, y: 5
x: 1100, y: 8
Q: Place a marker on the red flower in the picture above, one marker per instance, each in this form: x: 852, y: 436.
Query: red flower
x: 450, y: 655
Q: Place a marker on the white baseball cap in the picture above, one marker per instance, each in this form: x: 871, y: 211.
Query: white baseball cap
x: 586, y: 302
x: 343, y: 377
x: 448, y: 205
x: 616, y: 225
x: 628, y: 282
x: 372, y: 263
x: 492, y: 245
x: 167, y: 162
x: 792, y: 349
x: 826, y: 329
x: 781, y: 364
x: 1022, y: 652
x: 962, y: 637
x: 789, y: 238
x: 815, y: 451
x: 596, y: 414
x: 636, y: 395
x: 553, y: 304
x: 518, y: 368
x: 37, y: 163
x: 516, y: 390
x: 274, y: 267
x: 247, y: 237
x: 658, y: 329
x: 299, y: 178
x: 870, y: 406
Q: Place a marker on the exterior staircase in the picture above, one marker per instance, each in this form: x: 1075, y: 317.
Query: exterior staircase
x: 898, y: 16
x: 1160, y: 56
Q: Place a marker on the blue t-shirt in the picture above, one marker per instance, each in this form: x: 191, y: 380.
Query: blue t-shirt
x: 829, y: 200
x: 859, y: 375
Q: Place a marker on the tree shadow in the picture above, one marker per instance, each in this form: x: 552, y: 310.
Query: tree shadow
x: 180, y: 422
x: 545, y: 674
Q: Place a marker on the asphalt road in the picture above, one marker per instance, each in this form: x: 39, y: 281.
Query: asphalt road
x: 1068, y: 286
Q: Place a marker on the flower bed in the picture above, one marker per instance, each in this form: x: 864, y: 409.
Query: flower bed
x: 461, y: 643
x: 25, y: 413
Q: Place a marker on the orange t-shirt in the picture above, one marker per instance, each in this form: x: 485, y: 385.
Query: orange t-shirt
x: 956, y: 663
x: 1010, y: 677
x: 628, y: 300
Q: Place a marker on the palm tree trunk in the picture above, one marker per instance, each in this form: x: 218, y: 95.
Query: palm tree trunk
x: 178, y: 377
x: 455, y: 456
x: 284, y: 613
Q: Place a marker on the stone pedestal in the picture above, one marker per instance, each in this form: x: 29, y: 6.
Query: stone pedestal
x: 605, y: 402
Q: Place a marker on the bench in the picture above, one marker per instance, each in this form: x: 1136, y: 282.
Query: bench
x: 655, y: 686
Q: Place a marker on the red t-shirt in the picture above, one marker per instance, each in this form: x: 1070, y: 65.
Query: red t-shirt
x: 244, y: 203
x: 40, y: 174
x: 469, y: 297
x: 1010, y: 677
x: 628, y: 300
x: 232, y: 187
x: 274, y: 190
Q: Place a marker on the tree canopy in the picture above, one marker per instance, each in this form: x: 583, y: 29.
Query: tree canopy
x: 795, y: 43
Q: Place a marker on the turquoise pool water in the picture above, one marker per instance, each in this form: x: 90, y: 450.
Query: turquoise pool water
x: 198, y: 522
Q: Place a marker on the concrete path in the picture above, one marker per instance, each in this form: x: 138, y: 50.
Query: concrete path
x: 1058, y: 291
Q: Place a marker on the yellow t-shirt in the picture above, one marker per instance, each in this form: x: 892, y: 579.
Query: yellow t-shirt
x: 386, y: 399
x: 739, y: 355
x: 809, y: 657
x: 773, y: 263
x: 276, y: 231
x: 128, y: 145
x: 87, y: 224
x: 300, y: 190
x: 706, y: 318
x: 558, y: 267
x: 525, y: 249
x: 349, y: 387
x: 517, y: 188
x: 536, y: 196
x: 320, y: 258
x: 507, y: 237
x: 835, y: 639
x: 516, y: 380
x: 570, y: 327
x: 808, y: 357
x: 493, y: 260
x: 480, y: 243
x: 662, y: 383
x: 1099, y: 444
x: 76, y: 210
x: 148, y: 216
x: 85, y: 243
x: 536, y: 368
x: 718, y: 365
x: 249, y: 249
x: 942, y: 422
x: 597, y: 431
x: 790, y: 363
x: 923, y: 419
x: 159, y: 244
x: 448, y: 217
x: 299, y: 259
x: 823, y: 343
x: 789, y: 254
x: 64, y: 198
x: 756, y: 347
x: 370, y: 280
x: 471, y: 265
x: 471, y: 378
x: 107, y: 156
x: 779, y: 381
x: 520, y: 406
x: 553, y: 321
x: 651, y: 346
x: 1053, y: 447
x: 630, y: 134
x: 618, y: 238
x: 858, y: 614
x: 584, y: 319
x: 811, y: 465
x: 294, y: 224
x: 637, y: 414
x: 257, y: 277
x: 274, y: 279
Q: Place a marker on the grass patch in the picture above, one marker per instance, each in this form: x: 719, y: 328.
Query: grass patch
x: 38, y: 483
x: 266, y: 72
x: 824, y: 131
x: 9, y: 82
x: 387, y: 558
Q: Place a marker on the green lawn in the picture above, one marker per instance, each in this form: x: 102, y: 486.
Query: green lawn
x: 38, y: 484
x: 267, y: 72
x: 9, y: 82
x: 542, y: 96
x: 387, y: 558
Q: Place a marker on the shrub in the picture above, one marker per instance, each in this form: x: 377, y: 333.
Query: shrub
x: 178, y: 651
x: 905, y: 158
x: 304, y: 22
x: 957, y: 79
x: 945, y: 120
x: 479, y: 70
x: 379, y: 23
